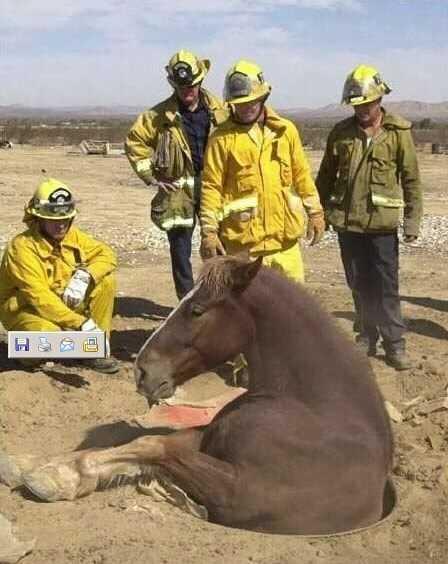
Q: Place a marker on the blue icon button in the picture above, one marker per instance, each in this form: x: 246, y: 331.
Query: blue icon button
x: 22, y: 344
x: 67, y: 345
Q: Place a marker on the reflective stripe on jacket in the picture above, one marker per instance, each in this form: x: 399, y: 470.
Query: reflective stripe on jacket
x: 359, y: 185
x: 256, y: 183
x: 34, y: 274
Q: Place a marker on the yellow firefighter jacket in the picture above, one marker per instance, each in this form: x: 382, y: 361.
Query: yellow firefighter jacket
x: 34, y: 274
x: 156, y: 146
x: 256, y: 182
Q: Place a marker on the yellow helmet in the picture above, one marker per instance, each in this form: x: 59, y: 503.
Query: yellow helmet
x: 185, y: 69
x: 52, y: 200
x: 364, y: 84
x: 245, y: 83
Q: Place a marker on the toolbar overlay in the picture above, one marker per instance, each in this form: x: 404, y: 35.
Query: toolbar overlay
x: 57, y: 344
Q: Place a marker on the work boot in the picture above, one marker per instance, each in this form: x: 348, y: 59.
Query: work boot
x: 104, y: 365
x: 366, y: 345
x: 398, y: 359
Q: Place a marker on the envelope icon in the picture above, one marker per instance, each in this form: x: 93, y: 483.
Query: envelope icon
x: 67, y: 345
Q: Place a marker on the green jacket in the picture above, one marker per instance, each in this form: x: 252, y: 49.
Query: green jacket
x: 156, y: 146
x: 363, y: 187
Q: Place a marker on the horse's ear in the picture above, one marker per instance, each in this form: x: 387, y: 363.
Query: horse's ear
x: 244, y: 272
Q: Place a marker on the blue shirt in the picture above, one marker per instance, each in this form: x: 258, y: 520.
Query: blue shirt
x: 196, y: 124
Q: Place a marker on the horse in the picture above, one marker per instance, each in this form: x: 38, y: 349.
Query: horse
x: 307, y: 449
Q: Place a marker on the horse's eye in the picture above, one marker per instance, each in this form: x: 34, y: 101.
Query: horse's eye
x: 197, y: 310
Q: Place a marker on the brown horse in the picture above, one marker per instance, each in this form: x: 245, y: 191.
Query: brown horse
x: 306, y: 450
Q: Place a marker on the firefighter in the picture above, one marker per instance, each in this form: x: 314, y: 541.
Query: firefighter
x: 165, y: 147
x: 257, y: 185
x: 54, y: 276
x: 370, y: 173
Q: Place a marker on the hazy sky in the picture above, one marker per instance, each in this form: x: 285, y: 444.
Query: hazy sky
x: 103, y: 52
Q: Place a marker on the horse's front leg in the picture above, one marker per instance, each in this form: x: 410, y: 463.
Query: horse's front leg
x: 80, y: 473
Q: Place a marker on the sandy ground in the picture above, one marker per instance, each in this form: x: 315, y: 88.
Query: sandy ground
x: 68, y: 408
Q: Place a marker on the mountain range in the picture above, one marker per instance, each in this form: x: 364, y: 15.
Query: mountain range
x: 408, y: 108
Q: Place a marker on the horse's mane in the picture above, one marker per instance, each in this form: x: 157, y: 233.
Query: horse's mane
x: 217, y: 279
x: 293, y: 318
x: 310, y: 345
x: 282, y: 300
x: 292, y: 312
x: 216, y: 276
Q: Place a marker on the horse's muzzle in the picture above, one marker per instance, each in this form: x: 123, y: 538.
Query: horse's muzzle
x: 153, y: 387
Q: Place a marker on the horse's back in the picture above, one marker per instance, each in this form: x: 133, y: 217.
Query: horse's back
x: 302, y: 467
x: 286, y: 423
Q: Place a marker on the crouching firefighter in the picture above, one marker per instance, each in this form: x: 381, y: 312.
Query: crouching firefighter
x: 165, y: 147
x: 55, y: 277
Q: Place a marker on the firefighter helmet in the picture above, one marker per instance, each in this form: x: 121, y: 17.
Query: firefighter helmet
x: 185, y: 69
x: 52, y: 200
x: 245, y: 83
x: 364, y: 84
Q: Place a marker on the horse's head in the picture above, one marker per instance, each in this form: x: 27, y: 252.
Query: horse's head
x: 209, y: 326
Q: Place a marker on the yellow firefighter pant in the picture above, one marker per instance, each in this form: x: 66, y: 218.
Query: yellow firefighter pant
x: 286, y: 261
x: 98, y: 305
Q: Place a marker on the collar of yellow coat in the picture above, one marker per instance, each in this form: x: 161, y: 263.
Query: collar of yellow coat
x: 43, y: 246
x: 273, y: 120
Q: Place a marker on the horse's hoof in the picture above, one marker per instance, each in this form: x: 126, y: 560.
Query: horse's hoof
x: 12, y: 468
x: 53, y: 482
